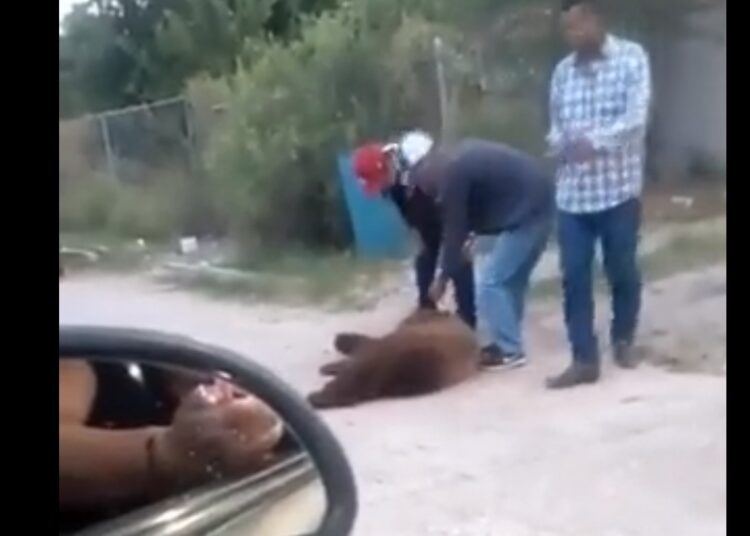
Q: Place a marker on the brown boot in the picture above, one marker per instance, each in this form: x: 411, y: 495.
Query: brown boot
x: 625, y: 355
x: 576, y: 374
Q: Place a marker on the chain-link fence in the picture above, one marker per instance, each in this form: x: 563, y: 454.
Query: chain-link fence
x: 134, y: 171
x: 132, y: 145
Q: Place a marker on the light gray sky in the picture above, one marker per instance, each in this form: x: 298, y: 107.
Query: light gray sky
x: 65, y: 6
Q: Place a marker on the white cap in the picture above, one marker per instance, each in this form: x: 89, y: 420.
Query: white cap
x: 414, y: 146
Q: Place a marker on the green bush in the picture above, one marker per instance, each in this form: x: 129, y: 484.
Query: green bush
x: 516, y: 121
x: 150, y: 212
x: 274, y: 158
x: 87, y: 205
x: 103, y: 205
x: 363, y: 71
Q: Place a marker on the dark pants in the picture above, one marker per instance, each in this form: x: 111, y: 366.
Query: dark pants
x: 425, y: 266
x: 618, y: 230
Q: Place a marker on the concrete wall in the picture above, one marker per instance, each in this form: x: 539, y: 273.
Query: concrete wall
x: 690, y: 77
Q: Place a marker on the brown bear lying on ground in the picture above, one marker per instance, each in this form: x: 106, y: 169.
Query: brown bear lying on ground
x: 428, y: 351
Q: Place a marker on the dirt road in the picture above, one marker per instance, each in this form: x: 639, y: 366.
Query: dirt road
x: 642, y: 453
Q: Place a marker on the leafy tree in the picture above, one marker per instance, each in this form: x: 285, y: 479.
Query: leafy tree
x: 119, y: 52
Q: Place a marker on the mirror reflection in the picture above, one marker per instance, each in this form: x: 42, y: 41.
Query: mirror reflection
x: 144, y: 448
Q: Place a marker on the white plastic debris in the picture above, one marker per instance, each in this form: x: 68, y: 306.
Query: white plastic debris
x: 188, y: 245
x: 683, y: 201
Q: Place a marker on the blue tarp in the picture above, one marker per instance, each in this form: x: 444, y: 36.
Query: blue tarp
x: 379, y: 231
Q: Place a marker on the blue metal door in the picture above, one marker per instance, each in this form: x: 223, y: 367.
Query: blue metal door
x: 379, y: 231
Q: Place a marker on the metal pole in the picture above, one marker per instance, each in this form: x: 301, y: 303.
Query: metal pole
x: 144, y: 106
x: 191, y: 140
x: 442, y: 87
x: 111, y: 166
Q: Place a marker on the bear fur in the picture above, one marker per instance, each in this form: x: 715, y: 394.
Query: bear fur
x: 428, y: 351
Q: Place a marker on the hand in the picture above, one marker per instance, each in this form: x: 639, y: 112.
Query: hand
x: 420, y: 243
x: 180, y: 383
x: 468, y: 249
x: 437, y: 290
x: 217, y: 431
x: 582, y: 150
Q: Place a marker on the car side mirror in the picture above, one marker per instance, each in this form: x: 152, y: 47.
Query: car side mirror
x: 161, y: 434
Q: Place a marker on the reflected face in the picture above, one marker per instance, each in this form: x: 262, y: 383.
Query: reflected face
x: 582, y: 28
x: 180, y: 382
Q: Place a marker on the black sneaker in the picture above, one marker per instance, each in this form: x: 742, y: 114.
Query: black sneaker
x: 625, y: 355
x: 576, y: 374
x: 492, y: 357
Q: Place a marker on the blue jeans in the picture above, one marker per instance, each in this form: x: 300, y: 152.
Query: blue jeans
x: 425, y: 267
x: 503, y: 280
x: 618, y: 229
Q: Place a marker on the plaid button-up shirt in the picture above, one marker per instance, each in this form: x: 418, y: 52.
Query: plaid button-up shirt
x: 605, y: 101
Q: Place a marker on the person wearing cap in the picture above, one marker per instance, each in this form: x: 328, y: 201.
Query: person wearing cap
x: 384, y: 169
x: 506, y: 198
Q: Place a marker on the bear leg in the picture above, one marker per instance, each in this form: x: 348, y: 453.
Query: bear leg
x: 346, y: 389
x: 333, y: 368
x: 349, y: 343
x: 328, y: 398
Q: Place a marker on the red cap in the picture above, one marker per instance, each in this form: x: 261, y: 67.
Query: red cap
x: 370, y: 165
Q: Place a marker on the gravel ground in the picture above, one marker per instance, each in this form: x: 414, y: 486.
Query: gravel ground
x: 641, y: 453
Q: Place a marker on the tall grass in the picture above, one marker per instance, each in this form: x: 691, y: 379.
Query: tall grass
x: 103, y: 205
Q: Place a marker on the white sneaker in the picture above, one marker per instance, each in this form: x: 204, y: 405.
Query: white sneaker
x: 492, y: 358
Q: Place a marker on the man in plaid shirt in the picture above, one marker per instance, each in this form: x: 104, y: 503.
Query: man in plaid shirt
x: 599, y: 103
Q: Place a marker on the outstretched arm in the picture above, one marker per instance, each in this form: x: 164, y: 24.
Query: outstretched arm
x: 213, y: 433
x: 96, y: 466
x: 455, y: 200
